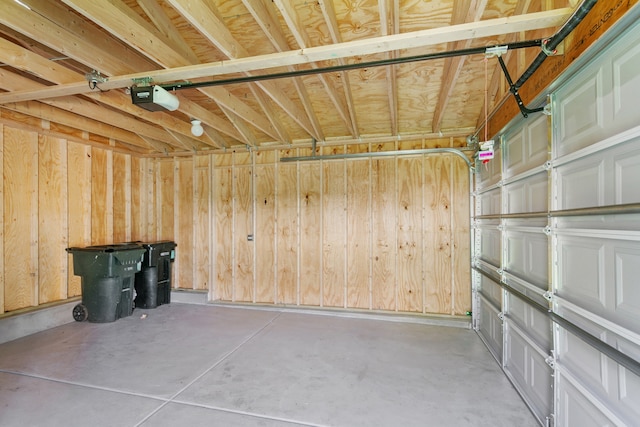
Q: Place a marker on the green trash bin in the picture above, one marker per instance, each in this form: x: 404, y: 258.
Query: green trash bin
x: 153, y: 282
x: 107, y: 273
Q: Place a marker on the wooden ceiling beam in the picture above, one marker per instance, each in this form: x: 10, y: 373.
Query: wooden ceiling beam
x: 123, y: 23
x: 346, y: 104
x: 53, y: 25
x: 72, y: 120
x: 119, y: 20
x: 296, y: 27
x: 464, y: 11
x: 430, y: 37
x: 84, y: 108
x: 25, y: 60
x: 247, y: 136
x: 390, y: 24
x: 202, y: 17
x: 266, y: 19
x: 163, y: 24
x: 263, y: 100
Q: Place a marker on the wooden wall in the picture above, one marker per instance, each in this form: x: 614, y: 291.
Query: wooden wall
x: 56, y: 194
x: 385, y: 233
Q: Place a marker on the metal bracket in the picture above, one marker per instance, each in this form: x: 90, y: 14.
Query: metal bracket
x: 546, y: 50
x: 547, y: 110
x: 547, y: 165
x: 551, y: 359
x: 495, y: 51
x: 501, y: 316
x: 550, y: 421
x: 548, y: 295
x: 547, y: 230
x: 94, y: 77
x: 142, y: 81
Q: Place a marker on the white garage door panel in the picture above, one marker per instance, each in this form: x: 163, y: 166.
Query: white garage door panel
x: 525, y: 364
x: 527, y: 195
x: 489, y: 174
x: 600, y: 378
x: 575, y: 409
x: 526, y: 256
x: 626, y: 84
x: 584, y: 361
x: 627, y: 174
x: 536, y: 324
x: 581, y: 184
x: 491, y: 291
x: 581, y: 113
x: 490, y: 328
x: 581, y: 272
x: 601, y: 275
x: 627, y: 283
x: 600, y: 101
x: 490, y: 244
x: 490, y: 202
x: 628, y: 386
x: 526, y: 148
x: 606, y: 177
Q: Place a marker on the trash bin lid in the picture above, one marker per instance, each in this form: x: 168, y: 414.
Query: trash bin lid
x: 107, y: 248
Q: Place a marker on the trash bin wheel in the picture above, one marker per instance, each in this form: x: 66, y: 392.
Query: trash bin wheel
x: 80, y: 313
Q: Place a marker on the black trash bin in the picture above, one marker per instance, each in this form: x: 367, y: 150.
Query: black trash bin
x: 107, y: 274
x: 153, y: 282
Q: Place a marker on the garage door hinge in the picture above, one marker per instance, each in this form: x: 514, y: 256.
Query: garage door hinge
x: 547, y: 230
x: 548, y: 295
x: 551, y: 361
x: 501, y: 316
x: 547, y: 165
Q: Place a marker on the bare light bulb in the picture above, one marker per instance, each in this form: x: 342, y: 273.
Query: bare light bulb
x: 196, y: 127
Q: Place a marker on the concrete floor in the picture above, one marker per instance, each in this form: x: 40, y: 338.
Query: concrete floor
x: 203, y: 365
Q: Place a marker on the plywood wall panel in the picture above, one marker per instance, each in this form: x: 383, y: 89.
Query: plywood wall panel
x: 409, y: 243
x: 101, y: 197
x: 183, y: 222
x: 53, y: 219
x: 243, y: 227
x: 437, y: 234
x: 138, y: 192
x: 121, y: 197
x: 359, y: 234
x: 383, y: 208
x: 363, y: 233
x: 2, y: 285
x: 151, y: 195
x: 223, y: 223
x: 78, y: 204
x: 461, y: 240
x: 20, y: 179
x: 287, y: 233
x: 310, y: 232
x: 202, y: 226
x: 265, y: 233
x: 334, y: 233
x: 165, y: 182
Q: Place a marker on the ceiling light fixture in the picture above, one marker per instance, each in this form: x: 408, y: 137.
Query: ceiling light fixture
x: 196, y: 127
